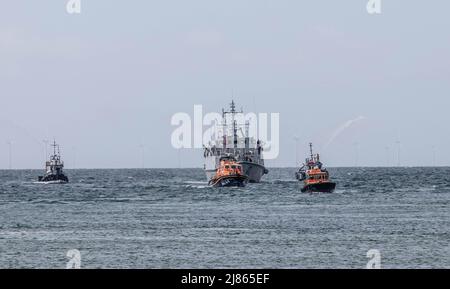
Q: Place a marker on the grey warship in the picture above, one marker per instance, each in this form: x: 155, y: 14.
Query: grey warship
x: 247, y: 151
x: 54, y: 168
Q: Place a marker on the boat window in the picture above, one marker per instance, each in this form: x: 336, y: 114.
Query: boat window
x: 227, y: 167
x: 233, y: 167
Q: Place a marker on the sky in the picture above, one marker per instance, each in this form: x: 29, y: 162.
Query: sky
x: 367, y: 90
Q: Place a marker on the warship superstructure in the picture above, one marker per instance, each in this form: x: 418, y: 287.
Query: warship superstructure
x: 246, y: 150
x: 54, y: 168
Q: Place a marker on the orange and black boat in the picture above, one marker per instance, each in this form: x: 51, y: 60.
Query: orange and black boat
x: 229, y: 174
x: 314, y: 177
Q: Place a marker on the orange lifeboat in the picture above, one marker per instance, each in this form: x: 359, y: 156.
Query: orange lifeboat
x: 229, y: 174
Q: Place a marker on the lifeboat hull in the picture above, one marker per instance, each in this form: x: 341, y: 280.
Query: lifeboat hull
x: 229, y: 181
x: 326, y: 187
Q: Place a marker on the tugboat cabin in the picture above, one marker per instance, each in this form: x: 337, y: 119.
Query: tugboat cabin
x: 317, y: 176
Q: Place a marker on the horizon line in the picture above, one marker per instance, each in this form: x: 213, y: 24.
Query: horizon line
x: 174, y: 168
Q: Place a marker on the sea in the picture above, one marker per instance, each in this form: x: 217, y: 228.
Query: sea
x: 171, y: 218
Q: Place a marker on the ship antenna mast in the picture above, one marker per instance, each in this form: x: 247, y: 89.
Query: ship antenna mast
x: 247, y: 128
x: 224, y: 130
x: 311, y: 150
x: 233, y: 113
x: 54, y: 145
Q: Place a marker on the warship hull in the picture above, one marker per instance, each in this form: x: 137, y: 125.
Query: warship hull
x: 253, y: 171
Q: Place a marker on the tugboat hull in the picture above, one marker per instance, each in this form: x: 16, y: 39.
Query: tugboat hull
x: 54, y: 179
x: 319, y: 188
x: 229, y: 181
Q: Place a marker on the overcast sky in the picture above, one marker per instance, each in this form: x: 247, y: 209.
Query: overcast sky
x: 108, y: 80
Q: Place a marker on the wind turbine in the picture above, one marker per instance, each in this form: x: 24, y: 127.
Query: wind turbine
x: 142, y: 147
x: 296, y: 139
x: 356, y: 144
x: 398, y: 153
x: 74, y: 155
x: 10, y: 153
x: 45, y: 141
x: 387, y: 156
x: 434, y: 155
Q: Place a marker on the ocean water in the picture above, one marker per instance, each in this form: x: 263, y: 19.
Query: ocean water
x: 170, y: 218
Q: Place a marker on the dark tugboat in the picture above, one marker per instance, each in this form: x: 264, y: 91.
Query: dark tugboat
x: 314, y: 177
x: 54, y: 169
x: 229, y: 174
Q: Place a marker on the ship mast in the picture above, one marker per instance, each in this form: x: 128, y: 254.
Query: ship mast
x: 224, y: 130
x: 233, y: 113
x: 247, y: 139
x: 54, y: 145
x: 233, y: 120
x: 311, y: 150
